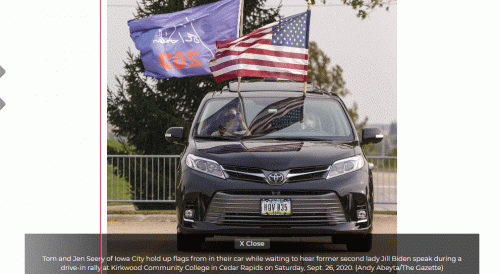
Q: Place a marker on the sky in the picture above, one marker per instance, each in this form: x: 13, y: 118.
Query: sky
x: 364, y: 49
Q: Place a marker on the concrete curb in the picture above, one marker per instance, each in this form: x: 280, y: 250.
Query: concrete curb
x: 141, y: 218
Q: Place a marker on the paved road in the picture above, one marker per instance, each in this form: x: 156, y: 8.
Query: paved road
x: 383, y: 224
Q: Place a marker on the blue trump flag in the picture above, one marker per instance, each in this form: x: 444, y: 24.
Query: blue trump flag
x: 182, y: 43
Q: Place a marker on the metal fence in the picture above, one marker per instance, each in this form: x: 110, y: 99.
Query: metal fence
x: 151, y: 178
x: 385, y: 178
x: 142, y: 178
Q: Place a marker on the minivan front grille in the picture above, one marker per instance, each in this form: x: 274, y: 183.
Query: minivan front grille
x: 245, y: 173
x: 244, y: 210
x: 308, y: 173
x: 293, y: 175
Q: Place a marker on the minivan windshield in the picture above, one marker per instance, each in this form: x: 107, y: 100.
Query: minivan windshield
x: 295, y: 118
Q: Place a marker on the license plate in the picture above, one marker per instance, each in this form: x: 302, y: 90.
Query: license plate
x: 275, y: 207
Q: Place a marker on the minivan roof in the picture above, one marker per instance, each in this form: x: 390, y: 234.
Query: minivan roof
x: 270, y: 86
x: 271, y: 89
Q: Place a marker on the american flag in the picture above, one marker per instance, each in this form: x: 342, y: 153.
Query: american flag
x: 279, y: 115
x: 278, y: 50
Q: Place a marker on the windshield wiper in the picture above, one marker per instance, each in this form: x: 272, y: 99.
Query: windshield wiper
x: 214, y: 137
x: 291, y: 138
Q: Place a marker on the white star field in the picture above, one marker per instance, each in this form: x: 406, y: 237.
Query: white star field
x: 291, y: 32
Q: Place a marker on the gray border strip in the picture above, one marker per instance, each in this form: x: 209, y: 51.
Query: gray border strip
x: 2, y: 72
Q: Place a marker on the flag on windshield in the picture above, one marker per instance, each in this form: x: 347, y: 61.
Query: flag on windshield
x: 278, y: 50
x: 182, y: 43
x: 278, y: 116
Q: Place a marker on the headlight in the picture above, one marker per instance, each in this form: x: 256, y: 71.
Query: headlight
x: 345, y: 166
x: 204, y: 165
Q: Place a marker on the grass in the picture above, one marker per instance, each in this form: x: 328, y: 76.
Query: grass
x: 380, y: 169
x: 118, y: 187
x: 386, y: 212
x: 119, y: 203
x: 143, y: 212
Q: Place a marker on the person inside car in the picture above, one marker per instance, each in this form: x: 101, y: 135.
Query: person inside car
x: 311, y: 122
x: 231, y: 123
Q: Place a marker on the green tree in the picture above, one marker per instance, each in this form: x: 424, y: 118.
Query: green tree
x: 364, y: 7
x: 330, y: 79
x: 143, y: 108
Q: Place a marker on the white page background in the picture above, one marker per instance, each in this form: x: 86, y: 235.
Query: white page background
x: 49, y: 129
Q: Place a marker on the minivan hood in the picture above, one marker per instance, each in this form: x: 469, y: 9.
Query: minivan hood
x: 272, y: 154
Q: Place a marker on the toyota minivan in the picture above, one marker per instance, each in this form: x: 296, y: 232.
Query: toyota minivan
x: 274, y: 159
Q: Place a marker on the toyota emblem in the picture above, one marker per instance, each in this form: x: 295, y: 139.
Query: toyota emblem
x: 276, y: 178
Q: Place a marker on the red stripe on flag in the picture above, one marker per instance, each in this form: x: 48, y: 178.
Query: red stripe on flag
x: 219, y: 53
x: 228, y: 43
x: 262, y: 52
x: 260, y: 41
x: 254, y: 73
x: 258, y: 62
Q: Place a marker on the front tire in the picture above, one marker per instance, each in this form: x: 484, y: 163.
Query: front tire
x: 186, y: 242
x: 360, y: 243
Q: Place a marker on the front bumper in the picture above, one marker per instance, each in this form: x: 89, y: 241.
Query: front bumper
x: 233, y: 214
x: 209, y: 229
x: 319, y: 207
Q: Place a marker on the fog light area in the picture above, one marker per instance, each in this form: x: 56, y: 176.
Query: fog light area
x: 361, y: 214
x: 189, y: 214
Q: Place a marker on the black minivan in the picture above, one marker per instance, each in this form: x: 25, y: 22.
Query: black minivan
x: 276, y: 159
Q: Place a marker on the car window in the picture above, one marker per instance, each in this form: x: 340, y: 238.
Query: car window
x: 275, y: 117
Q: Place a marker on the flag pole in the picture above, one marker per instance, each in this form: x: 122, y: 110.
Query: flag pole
x: 239, y: 78
x: 305, y: 83
x: 242, y: 3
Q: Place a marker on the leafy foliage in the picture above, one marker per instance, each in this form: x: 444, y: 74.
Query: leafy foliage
x: 119, y: 148
x: 330, y: 79
x: 364, y: 7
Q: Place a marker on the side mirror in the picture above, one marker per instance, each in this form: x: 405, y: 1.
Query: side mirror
x: 175, y: 135
x: 371, y: 135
